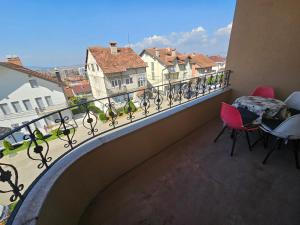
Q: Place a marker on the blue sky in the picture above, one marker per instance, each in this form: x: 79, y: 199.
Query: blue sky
x: 56, y: 33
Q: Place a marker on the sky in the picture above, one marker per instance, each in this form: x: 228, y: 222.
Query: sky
x: 48, y: 33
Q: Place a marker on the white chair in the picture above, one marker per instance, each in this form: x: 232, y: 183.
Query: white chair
x: 293, y: 101
x: 288, y: 130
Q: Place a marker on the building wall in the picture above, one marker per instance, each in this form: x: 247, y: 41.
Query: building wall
x: 96, y: 78
x: 264, y: 46
x: 15, y: 86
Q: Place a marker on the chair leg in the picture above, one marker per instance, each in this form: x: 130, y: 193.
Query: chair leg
x: 271, y: 151
x: 248, y: 140
x: 266, y: 140
x: 296, y: 154
x: 219, y: 135
x: 234, y: 134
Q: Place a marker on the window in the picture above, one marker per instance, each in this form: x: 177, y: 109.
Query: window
x: 93, y: 68
x: 141, y: 82
x: 5, y: 109
x: 129, y: 80
x: 152, y: 70
x: 49, y: 100
x: 27, y: 104
x: 33, y: 83
x: 97, y: 67
x: 39, y: 102
x: 116, y: 83
x: 17, y: 107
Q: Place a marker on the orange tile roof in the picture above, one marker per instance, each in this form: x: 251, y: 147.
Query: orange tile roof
x: 217, y: 58
x: 202, y: 61
x: 68, y: 92
x: 125, y: 59
x: 165, y: 57
x: 29, y: 72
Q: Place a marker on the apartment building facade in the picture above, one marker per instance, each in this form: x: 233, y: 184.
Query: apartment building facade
x: 167, y: 65
x: 26, y: 95
x: 220, y: 62
x: 114, y: 71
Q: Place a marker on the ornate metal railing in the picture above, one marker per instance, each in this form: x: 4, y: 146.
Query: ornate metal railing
x: 43, y: 141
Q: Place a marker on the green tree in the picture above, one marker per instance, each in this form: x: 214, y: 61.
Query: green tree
x: 38, y: 134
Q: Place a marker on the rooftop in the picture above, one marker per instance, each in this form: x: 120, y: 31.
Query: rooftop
x: 29, y: 72
x: 124, y: 59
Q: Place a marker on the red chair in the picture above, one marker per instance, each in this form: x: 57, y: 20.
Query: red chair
x: 232, y: 119
x: 264, y: 91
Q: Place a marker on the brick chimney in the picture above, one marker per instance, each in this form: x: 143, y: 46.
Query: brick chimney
x: 13, y: 59
x: 173, y: 53
x: 57, y: 74
x: 113, y: 48
x: 156, y: 52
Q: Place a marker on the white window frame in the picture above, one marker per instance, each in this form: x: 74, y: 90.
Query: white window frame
x: 17, y: 106
x: 49, y: 103
x: 26, y: 106
x: 5, y: 108
x: 33, y: 83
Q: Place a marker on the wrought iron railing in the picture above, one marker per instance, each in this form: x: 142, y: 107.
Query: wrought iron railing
x: 65, y: 129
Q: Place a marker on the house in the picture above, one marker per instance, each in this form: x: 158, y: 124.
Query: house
x: 114, y: 70
x: 78, y: 88
x: 219, y: 61
x: 166, y: 64
x: 201, y: 64
x: 26, y: 95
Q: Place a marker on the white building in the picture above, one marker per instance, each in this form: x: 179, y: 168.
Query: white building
x: 165, y: 64
x: 26, y: 95
x: 114, y: 70
x: 219, y: 61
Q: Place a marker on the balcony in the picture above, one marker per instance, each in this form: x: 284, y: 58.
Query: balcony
x: 194, y: 181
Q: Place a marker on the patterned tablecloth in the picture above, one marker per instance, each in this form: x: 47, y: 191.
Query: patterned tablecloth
x: 263, y: 107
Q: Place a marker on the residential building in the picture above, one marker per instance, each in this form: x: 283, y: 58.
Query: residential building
x: 26, y: 95
x: 166, y: 64
x: 79, y: 88
x: 219, y: 61
x: 201, y: 64
x: 114, y: 70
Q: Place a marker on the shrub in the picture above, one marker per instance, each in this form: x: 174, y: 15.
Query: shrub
x: 103, y: 117
x: 7, y: 145
x: 94, y: 109
x: 131, y: 106
x: 56, y: 132
x: 38, y: 134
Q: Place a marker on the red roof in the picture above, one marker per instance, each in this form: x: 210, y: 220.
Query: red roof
x: 29, y: 72
x: 217, y: 58
x: 202, y: 61
x: 165, y: 57
x: 82, y: 88
x: 124, y: 59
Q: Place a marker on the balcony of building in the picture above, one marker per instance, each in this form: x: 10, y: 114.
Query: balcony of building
x: 163, y: 167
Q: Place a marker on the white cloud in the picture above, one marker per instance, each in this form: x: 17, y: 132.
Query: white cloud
x: 224, y: 30
x: 196, y: 40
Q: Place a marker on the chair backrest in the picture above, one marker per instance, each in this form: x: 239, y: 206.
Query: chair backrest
x: 231, y: 116
x: 290, y: 128
x: 264, y: 91
x: 293, y: 101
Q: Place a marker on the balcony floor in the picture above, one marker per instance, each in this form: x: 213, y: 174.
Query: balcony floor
x: 196, y: 182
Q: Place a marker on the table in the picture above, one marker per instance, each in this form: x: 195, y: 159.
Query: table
x: 263, y: 107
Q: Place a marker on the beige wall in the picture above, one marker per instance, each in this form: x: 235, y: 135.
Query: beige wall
x: 265, y: 46
x: 77, y: 186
